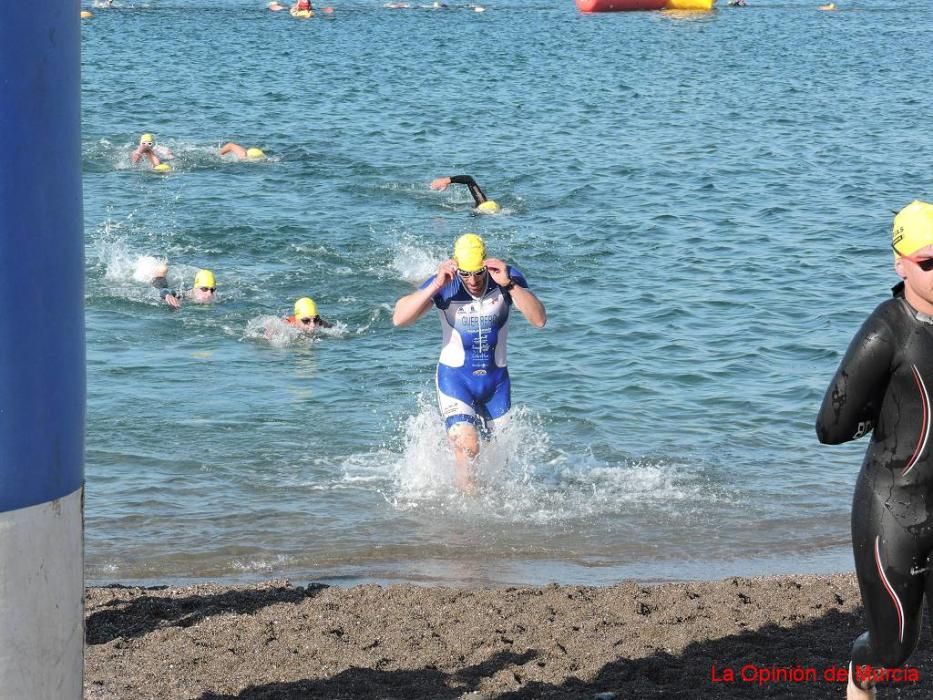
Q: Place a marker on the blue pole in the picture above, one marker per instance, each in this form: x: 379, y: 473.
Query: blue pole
x: 42, y: 372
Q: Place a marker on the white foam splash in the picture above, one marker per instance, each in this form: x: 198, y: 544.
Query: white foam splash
x: 415, y: 262
x: 523, y: 478
x: 278, y: 333
x: 275, y: 331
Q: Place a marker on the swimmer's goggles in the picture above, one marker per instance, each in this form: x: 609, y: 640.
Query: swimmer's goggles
x: 925, y: 264
x: 467, y: 275
x: 308, y: 321
x: 150, y: 144
x: 208, y: 289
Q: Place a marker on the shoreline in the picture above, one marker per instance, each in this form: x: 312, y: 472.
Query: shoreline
x: 666, y: 640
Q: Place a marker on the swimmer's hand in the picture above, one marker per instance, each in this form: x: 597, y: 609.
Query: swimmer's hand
x: 172, y: 301
x: 440, y: 183
x: 446, y: 272
x: 498, y: 270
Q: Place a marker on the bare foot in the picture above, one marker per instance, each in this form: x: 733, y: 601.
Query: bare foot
x: 853, y: 692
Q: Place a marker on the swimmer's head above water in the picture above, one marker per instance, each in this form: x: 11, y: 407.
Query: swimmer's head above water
x: 146, y: 141
x: 205, y: 287
x: 490, y: 206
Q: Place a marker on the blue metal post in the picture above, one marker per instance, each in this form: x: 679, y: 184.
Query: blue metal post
x: 42, y: 370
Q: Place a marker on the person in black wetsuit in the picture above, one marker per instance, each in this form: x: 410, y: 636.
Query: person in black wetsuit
x: 482, y: 204
x: 883, y: 387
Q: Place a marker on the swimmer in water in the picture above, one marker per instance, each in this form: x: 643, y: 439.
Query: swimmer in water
x: 473, y: 295
x: 203, y: 291
x: 274, y: 6
x: 302, y: 8
x: 155, y: 154
x: 737, y: 3
x: 306, y: 317
x: 242, y: 153
x: 883, y: 387
x: 482, y: 204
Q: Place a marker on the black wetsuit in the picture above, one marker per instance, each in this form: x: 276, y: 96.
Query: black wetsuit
x: 478, y: 196
x: 882, y: 387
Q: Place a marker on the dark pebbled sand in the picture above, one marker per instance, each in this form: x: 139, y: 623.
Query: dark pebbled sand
x: 275, y: 640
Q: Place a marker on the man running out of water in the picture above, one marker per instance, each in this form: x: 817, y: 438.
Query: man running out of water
x: 883, y: 387
x: 481, y: 203
x: 473, y: 295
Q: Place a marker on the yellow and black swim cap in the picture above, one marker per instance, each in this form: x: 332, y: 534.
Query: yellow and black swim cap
x: 913, y: 228
x: 205, y: 278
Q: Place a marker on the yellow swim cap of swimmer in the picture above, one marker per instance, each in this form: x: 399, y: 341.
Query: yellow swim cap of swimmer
x: 489, y: 207
x: 255, y: 153
x: 205, y: 278
x: 305, y: 308
x: 147, y: 138
x: 913, y: 228
x: 163, y: 168
x: 469, y: 252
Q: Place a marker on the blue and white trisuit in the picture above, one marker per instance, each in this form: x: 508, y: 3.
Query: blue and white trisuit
x: 472, y: 377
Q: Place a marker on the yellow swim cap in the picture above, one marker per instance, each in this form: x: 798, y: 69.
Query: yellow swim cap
x: 913, y: 228
x: 147, y: 138
x: 205, y: 278
x: 470, y: 252
x: 305, y: 308
x: 163, y: 168
x: 489, y: 207
x: 86, y: 14
x: 255, y: 153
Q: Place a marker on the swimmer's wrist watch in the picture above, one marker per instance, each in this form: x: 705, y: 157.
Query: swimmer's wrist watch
x: 509, y: 287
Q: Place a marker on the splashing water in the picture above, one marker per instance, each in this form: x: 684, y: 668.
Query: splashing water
x: 522, y: 478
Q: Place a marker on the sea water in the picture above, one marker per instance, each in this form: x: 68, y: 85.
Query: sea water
x: 702, y: 202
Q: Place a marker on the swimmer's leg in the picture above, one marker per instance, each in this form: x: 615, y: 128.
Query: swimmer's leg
x: 464, y: 441
x: 888, y: 563
x: 457, y: 408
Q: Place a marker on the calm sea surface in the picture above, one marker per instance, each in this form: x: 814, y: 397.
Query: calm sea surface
x: 703, y: 203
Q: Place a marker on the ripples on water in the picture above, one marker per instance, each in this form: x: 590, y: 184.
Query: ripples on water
x: 702, y: 202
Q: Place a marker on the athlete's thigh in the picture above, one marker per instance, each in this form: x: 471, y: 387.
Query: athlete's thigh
x: 499, y: 401
x: 455, y: 397
x: 888, y: 564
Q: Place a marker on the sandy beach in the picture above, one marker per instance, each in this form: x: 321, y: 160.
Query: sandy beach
x: 778, y: 637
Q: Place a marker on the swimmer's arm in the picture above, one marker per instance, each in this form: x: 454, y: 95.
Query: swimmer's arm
x: 413, y: 306
x: 165, y: 292
x: 137, y: 154
x: 478, y: 195
x: 530, y: 306
x: 853, y: 399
